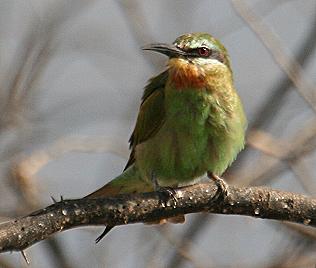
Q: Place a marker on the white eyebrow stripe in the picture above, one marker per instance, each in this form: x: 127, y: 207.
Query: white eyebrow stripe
x: 205, y: 61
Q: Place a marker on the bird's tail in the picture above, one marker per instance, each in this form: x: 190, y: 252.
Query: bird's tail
x: 126, y: 183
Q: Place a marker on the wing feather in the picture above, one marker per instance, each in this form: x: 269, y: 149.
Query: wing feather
x: 151, y: 114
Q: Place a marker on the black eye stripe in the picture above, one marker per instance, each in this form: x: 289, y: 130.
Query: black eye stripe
x: 213, y: 54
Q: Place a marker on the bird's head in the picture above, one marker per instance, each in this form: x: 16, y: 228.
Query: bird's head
x: 196, y: 48
x: 195, y: 54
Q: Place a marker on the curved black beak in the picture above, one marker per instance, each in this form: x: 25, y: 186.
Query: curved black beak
x: 167, y: 49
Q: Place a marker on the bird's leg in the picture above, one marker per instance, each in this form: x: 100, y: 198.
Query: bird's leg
x: 165, y: 192
x: 222, y: 187
x: 154, y: 181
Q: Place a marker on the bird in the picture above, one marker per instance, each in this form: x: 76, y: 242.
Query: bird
x: 191, y: 120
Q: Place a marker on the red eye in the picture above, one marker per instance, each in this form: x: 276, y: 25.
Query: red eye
x: 203, y: 51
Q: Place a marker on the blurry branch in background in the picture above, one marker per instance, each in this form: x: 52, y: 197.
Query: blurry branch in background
x: 276, y: 100
x: 4, y: 264
x: 197, y: 226
x: 307, y: 232
x: 134, y: 14
x: 265, y: 7
x: 19, y: 92
x: 36, y: 50
x: 298, y: 261
x: 300, y: 145
x: 184, y: 246
x: 149, y: 207
x: 285, y: 60
x: 295, y: 255
x: 176, y: 243
x: 27, y: 166
x: 299, y: 248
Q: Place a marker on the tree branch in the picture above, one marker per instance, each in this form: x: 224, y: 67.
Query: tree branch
x: 260, y: 202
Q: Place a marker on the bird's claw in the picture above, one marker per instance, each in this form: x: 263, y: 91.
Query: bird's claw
x: 166, y: 194
x: 222, y: 186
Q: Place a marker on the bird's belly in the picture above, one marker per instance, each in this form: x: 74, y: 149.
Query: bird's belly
x: 190, y: 142
x: 173, y: 156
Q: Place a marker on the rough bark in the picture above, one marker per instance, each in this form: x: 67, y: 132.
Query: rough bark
x: 260, y: 202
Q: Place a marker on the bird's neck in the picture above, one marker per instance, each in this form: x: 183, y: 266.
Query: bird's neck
x: 212, y: 81
x: 184, y: 74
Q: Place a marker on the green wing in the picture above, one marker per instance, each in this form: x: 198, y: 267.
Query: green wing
x: 151, y: 113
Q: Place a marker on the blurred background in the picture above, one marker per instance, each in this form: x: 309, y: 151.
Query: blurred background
x: 71, y: 78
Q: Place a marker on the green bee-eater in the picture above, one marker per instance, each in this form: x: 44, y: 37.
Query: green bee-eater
x: 190, y: 122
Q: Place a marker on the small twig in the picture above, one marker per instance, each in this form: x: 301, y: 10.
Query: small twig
x: 258, y: 202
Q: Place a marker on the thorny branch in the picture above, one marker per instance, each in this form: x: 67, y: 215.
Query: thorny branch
x: 258, y: 202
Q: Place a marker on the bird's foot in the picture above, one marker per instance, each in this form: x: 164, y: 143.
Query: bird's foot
x: 165, y: 193
x: 105, y: 232
x: 222, y: 186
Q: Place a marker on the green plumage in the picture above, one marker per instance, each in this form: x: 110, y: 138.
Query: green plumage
x: 190, y: 121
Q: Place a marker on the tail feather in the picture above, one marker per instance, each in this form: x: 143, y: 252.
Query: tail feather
x: 105, y: 191
x: 128, y: 182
